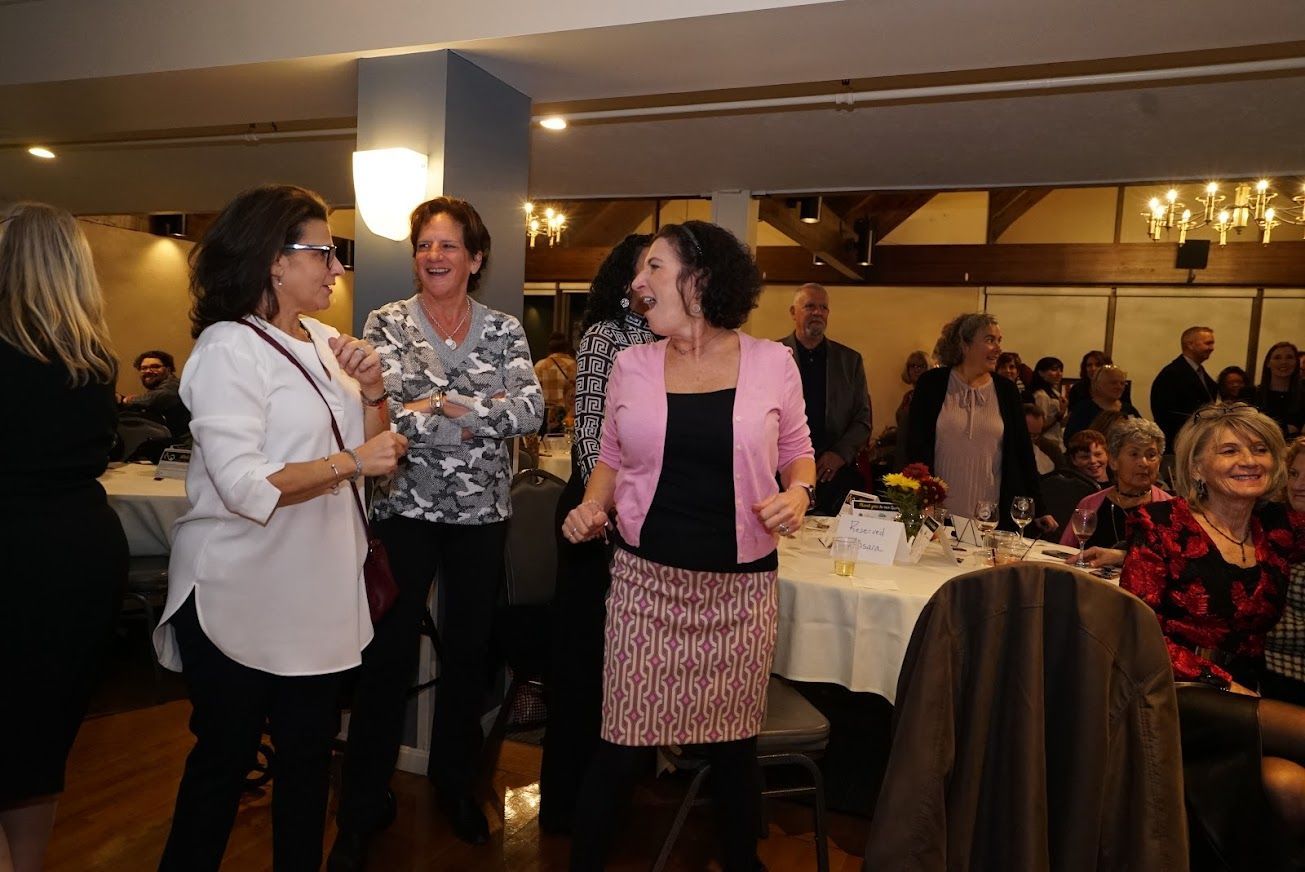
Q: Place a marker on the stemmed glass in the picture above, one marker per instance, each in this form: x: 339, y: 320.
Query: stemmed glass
x: 985, y: 517
x: 1021, y: 512
x: 1084, y: 525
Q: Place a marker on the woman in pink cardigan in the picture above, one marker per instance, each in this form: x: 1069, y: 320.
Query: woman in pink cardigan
x: 1134, y: 447
x: 697, y: 426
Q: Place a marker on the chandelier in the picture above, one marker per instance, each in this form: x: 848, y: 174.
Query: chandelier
x: 550, y: 224
x: 1250, y: 205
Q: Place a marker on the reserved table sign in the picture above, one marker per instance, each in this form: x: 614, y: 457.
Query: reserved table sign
x: 172, y: 463
x: 881, y: 540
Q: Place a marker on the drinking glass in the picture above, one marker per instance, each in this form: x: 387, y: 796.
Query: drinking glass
x: 1021, y: 512
x: 1084, y: 524
x: 985, y: 516
x: 844, y: 552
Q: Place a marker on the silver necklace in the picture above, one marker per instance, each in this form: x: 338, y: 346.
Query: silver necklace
x: 701, y: 348
x: 439, y: 328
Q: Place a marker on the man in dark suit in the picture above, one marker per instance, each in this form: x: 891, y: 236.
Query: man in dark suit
x: 836, y: 394
x: 1183, y: 386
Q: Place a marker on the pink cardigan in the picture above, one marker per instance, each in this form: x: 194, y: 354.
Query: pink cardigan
x: 770, y: 432
x: 1094, y: 501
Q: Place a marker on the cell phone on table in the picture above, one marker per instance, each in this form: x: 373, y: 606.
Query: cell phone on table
x: 1059, y: 555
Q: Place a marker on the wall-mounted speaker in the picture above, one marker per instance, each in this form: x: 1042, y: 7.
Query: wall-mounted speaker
x: 1193, y: 254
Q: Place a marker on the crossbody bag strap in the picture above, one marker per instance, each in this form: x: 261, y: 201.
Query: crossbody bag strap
x: 335, y: 428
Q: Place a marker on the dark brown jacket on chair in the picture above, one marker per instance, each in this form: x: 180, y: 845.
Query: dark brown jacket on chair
x: 1036, y: 729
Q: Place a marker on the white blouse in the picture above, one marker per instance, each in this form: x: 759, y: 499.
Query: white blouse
x: 276, y: 589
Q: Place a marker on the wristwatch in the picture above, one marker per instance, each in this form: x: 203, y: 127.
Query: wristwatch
x: 437, y: 402
x: 810, y: 489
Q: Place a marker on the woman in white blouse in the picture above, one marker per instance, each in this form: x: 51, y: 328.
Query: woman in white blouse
x: 266, y: 605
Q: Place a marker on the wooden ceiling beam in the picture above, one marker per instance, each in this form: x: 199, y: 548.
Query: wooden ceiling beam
x: 608, y: 223
x: 1008, y: 205
x: 824, y: 239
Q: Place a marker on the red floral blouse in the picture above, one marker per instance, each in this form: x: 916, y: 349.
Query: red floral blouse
x: 1203, y: 601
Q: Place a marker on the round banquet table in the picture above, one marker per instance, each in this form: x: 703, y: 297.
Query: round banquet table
x: 556, y: 462
x: 854, y: 631
x: 147, y: 508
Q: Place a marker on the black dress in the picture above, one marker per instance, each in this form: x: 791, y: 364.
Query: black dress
x: 65, y: 566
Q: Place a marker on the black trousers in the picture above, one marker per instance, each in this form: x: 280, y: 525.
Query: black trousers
x: 735, y: 782
x: 232, y: 703
x: 575, y: 678
x: 469, y: 560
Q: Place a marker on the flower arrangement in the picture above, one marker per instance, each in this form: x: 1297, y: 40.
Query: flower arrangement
x: 913, y: 490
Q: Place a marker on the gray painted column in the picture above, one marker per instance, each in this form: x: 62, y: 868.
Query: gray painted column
x: 476, y: 132
x: 736, y: 211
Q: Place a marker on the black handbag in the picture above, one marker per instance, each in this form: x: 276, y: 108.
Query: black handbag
x: 378, y: 577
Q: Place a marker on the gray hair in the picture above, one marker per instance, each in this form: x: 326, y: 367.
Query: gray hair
x: 958, y: 333
x: 1134, y: 431
x: 1108, y: 368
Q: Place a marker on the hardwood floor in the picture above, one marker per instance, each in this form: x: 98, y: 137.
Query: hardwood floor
x: 124, y: 769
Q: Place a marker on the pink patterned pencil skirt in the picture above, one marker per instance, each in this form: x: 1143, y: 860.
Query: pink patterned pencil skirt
x: 688, y: 653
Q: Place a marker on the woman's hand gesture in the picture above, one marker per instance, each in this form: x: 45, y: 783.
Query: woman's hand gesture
x: 584, y: 522
x: 380, y: 454
x: 358, y: 359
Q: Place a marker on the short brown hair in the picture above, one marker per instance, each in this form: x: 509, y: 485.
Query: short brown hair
x: 474, y: 234
x: 1084, y: 440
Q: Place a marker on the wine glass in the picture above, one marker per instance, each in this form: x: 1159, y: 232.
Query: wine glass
x: 985, y: 517
x: 1021, y: 512
x: 1084, y: 525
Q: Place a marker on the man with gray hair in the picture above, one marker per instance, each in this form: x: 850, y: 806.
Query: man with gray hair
x: 1183, y: 386
x: 836, y: 394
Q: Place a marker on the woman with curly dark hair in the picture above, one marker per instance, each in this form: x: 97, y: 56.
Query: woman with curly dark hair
x: 697, y: 426
x: 613, y: 321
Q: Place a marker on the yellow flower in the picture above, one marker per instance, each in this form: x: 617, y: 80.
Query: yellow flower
x: 897, y: 480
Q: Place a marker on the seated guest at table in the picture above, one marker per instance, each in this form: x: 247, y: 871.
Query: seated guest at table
x: 161, y: 398
x: 64, y: 549
x: 1213, y: 564
x: 916, y: 363
x: 1008, y: 367
x: 1087, y: 453
x: 1233, y: 385
x: 461, y: 387
x: 1046, y: 392
x: 836, y: 396
x: 556, y: 375
x: 266, y: 605
x: 1034, y: 419
x: 1108, y: 386
x: 613, y: 321
x: 1087, y: 368
x: 1284, y: 650
x: 1280, y: 393
x: 1135, y: 446
x: 968, y: 427
x: 698, y: 424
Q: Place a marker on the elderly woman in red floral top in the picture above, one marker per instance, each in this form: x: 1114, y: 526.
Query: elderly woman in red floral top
x: 1213, y: 563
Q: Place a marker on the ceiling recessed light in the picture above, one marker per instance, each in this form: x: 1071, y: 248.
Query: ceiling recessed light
x: 41, y: 152
x: 553, y: 122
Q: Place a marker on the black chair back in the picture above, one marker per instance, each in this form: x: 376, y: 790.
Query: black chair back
x: 1062, y: 490
x: 135, y: 430
x: 531, y: 561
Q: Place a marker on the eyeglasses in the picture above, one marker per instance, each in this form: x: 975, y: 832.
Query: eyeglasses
x: 328, y: 251
x: 1211, y: 412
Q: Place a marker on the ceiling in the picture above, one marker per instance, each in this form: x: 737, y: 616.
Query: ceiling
x: 125, y: 77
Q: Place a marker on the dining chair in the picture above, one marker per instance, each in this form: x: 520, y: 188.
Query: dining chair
x: 147, y: 588
x: 794, y: 733
x: 1062, y: 490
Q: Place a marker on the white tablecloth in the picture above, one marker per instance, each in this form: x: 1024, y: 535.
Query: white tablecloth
x: 557, y: 462
x: 147, y: 508
x: 854, y: 631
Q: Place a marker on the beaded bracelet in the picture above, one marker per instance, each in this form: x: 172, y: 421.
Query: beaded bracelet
x: 357, y: 464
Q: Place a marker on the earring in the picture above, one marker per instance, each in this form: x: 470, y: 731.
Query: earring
x: 625, y: 302
x: 278, y: 283
x: 1201, y: 490
x: 695, y: 309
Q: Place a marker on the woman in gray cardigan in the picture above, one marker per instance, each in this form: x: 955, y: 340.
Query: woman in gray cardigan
x: 460, y: 384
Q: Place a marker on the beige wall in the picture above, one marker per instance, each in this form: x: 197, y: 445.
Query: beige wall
x: 884, y: 324
x: 1068, y: 215
x: 145, y: 280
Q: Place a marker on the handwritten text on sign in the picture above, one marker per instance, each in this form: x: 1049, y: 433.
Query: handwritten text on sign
x: 880, y: 539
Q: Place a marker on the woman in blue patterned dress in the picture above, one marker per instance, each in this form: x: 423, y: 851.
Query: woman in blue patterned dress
x: 460, y: 385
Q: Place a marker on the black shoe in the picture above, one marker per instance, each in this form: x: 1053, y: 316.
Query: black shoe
x: 391, y: 811
x: 349, y: 853
x: 468, y: 820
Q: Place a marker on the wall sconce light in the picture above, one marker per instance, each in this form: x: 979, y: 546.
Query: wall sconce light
x: 809, y: 210
x: 388, y: 183
x: 816, y: 261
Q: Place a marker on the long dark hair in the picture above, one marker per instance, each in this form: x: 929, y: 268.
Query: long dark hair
x: 611, y: 283
x: 1266, y: 377
x: 230, y: 268
x: 1038, y: 383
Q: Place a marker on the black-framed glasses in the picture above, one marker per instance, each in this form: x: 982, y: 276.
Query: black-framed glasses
x: 328, y: 251
x: 1219, y: 411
